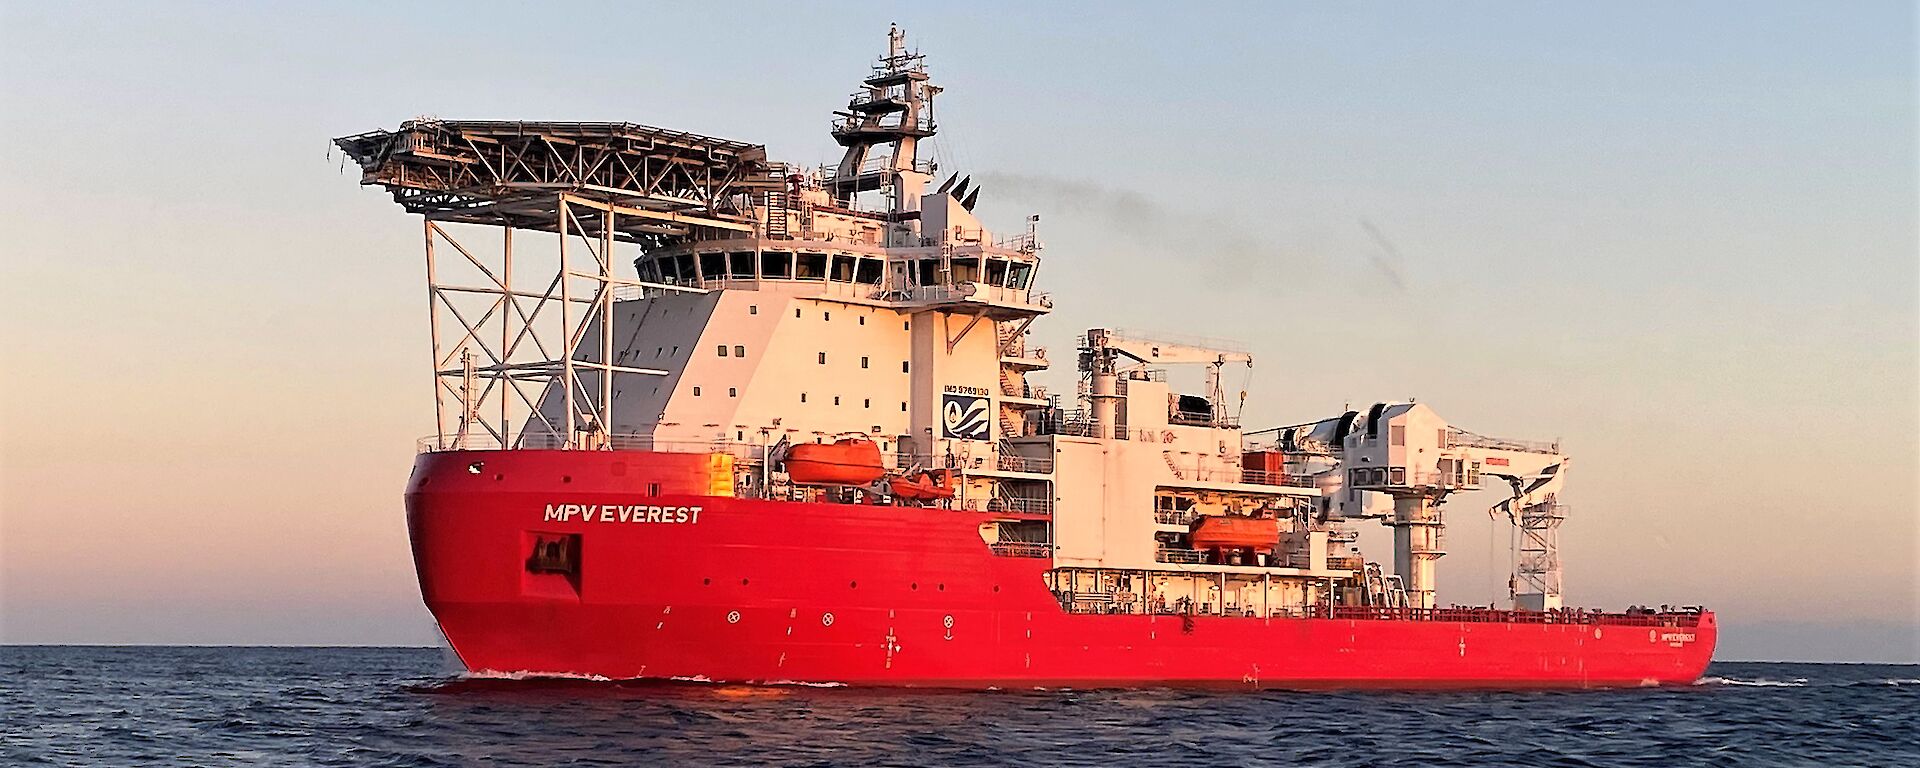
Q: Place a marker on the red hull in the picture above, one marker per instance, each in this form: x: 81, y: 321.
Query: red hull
x: 692, y: 586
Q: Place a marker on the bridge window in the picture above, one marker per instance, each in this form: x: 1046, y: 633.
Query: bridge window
x: 1019, y: 275
x: 966, y: 270
x: 996, y: 271
x: 869, y: 272
x: 812, y: 266
x: 929, y: 271
x: 843, y: 268
x: 649, y: 271
x: 776, y: 264
x: 713, y: 266
x: 740, y: 265
x: 683, y: 269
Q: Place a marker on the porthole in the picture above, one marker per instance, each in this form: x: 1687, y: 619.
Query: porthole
x: 743, y: 582
x: 706, y: 582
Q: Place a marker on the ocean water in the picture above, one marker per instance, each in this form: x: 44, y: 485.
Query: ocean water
x: 142, y: 706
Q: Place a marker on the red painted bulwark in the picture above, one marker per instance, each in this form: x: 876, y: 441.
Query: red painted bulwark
x: 691, y: 586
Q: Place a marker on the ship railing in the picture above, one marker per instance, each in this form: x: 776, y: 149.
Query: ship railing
x: 877, y: 165
x: 1232, y: 474
x: 1177, y: 555
x: 1174, y: 516
x: 1497, y: 615
x: 979, y: 292
x: 1460, y: 438
x: 1023, y: 504
x: 1021, y: 549
x: 1015, y: 463
x: 750, y: 452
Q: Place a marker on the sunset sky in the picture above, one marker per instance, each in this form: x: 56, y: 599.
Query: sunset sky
x: 1681, y: 238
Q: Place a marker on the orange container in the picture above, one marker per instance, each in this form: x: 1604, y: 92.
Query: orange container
x: 849, y: 461
x: 1271, y: 462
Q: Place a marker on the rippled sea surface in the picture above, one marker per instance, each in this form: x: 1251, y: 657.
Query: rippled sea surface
x: 404, y: 707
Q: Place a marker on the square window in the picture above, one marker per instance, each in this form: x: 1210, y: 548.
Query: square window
x: 823, y: 358
x: 903, y: 366
x: 826, y: 315
x: 868, y: 403
x: 836, y: 399
x: 796, y: 311
x: 733, y: 391
x: 753, y: 309
x: 863, y: 361
x: 903, y: 406
x: 803, y: 397
x: 739, y: 350
x: 696, y: 391
x: 723, y: 350
x: 863, y: 321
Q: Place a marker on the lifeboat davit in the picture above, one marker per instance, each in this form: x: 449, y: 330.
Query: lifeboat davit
x: 848, y: 461
x: 1234, y: 532
x: 923, y: 486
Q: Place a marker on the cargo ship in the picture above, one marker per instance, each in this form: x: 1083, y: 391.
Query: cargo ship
x: 715, y: 417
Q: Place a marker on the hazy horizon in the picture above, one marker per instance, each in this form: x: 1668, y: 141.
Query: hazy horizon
x: 1681, y: 239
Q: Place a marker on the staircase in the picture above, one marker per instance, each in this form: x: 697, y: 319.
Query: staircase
x: 777, y: 214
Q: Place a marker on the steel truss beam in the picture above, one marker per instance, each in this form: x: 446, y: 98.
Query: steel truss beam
x: 499, y: 352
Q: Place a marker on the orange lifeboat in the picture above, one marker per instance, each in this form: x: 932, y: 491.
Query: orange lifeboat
x: 1234, y: 532
x: 848, y: 461
x: 923, y: 486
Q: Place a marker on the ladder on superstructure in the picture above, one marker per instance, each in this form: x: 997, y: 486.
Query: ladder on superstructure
x: 776, y: 226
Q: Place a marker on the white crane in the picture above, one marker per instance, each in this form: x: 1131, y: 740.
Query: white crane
x: 1103, y: 359
x: 1407, y: 452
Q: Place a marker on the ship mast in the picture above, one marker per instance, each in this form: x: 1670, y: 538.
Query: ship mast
x: 894, y: 107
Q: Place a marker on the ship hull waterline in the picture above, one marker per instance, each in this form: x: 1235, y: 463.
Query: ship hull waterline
x: 672, y: 583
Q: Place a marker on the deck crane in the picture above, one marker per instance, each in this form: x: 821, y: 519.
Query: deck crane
x: 1104, y: 360
x: 1407, y: 452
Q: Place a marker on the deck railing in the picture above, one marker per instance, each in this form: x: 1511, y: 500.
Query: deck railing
x: 1176, y: 555
x: 1022, y: 504
x: 1021, y: 549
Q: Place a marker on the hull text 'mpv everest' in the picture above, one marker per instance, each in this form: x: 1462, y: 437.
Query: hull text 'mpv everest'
x: 706, y: 415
